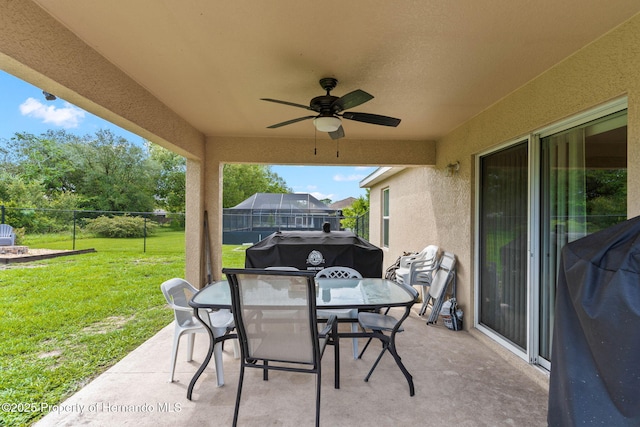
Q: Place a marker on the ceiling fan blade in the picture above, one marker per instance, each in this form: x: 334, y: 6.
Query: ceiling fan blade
x: 350, y: 100
x: 288, y: 122
x: 292, y: 104
x: 374, y: 119
x: 337, y: 134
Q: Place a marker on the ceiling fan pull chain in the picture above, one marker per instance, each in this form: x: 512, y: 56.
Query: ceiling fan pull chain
x: 315, y: 142
x: 338, y: 147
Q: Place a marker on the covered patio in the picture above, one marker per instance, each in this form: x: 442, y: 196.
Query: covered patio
x: 464, y: 77
x: 461, y: 379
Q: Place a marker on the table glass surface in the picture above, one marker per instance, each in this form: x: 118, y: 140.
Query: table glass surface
x: 330, y: 293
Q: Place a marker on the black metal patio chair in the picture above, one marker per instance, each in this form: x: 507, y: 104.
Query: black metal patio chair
x: 275, y: 317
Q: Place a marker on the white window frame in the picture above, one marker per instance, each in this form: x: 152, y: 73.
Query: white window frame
x: 385, y: 218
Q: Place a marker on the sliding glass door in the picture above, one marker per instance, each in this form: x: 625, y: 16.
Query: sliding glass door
x: 533, y: 197
x: 583, y: 190
x: 503, y: 251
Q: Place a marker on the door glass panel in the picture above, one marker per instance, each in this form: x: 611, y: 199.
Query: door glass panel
x: 503, y: 243
x: 583, y: 190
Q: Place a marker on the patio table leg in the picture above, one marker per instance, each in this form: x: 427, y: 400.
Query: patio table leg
x: 212, y: 342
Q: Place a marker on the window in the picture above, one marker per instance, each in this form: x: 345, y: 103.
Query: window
x: 385, y: 218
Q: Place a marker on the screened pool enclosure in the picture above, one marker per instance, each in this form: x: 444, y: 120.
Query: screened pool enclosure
x: 265, y: 213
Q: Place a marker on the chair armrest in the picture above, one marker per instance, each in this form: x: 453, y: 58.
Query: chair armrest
x: 333, y: 319
x: 421, y: 266
x: 180, y: 308
x: 406, y: 260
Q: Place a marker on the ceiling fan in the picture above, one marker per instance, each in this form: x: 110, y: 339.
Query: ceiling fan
x: 331, y: 108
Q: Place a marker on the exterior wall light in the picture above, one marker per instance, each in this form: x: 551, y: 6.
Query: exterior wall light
x: 453, y: 168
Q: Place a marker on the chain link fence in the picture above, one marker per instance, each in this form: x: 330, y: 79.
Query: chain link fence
x: 68, y: 228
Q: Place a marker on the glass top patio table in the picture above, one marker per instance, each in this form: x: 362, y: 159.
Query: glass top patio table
x: 366, y: 293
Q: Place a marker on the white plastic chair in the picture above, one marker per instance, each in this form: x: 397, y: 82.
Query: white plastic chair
x: 341, y: 273
x: 403, y: 273
x: 7, y: 235
x: 178, y: 292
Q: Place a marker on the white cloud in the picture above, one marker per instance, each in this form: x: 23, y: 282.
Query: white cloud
x: 353, y: 177
x: 322, y: 196
x: 67, y: 117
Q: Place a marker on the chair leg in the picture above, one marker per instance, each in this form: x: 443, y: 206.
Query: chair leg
x: 190, y: 340
x: 236, y: 349
x: 174, y: 354
x: 354, y: 328
x: 318, y: 383
x: 217, y: 359
x: 365, y: 348
x: 217, y: 354
x: 238, y: 395
x: 385, y: 347
x: 425, y: 301
x: 336, y: 355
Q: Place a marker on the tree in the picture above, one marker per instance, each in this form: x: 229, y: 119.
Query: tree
x: 242, y: 181
x: 117, y: 175
x: 351, y: 213
x: 170, y: 178
x: 46, y: 159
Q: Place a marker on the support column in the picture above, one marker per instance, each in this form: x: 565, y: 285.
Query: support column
x: 194, y: 218
x: 213, y: 197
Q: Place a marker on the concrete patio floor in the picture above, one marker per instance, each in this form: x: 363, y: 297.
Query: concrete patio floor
x: 461, y: 379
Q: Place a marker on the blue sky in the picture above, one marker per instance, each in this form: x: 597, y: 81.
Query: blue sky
x: 23, y: 108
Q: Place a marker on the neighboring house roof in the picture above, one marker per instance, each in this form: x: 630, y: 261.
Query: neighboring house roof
x: 344, y: 203
x: 282, y: 202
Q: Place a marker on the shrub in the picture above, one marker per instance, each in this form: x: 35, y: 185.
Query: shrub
x: 120, y: 226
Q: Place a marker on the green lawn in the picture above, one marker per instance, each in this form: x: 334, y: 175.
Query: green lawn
x: 66, y: 320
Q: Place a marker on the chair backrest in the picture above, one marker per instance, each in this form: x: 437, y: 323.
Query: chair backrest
x: 6, y: 230
x: 443, y: 275
x: 178, y: 292
x: 275, y: 314
x: 430, y: 252
x: 338, y: 272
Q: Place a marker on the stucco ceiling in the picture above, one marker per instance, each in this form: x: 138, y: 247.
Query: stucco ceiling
x: 434, y: 64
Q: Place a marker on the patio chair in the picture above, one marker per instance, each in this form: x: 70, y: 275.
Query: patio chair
x: 7, y: 235
x: 178, y: 292
x: 341, y: 273
x: 275, y: 316
x: 445, y: 274
x: 380, y: 323
x: 403, y: 273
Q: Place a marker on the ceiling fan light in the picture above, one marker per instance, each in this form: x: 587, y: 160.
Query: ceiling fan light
x: 327, y: 124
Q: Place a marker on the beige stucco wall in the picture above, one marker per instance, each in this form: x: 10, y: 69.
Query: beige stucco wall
x: 606, y: 69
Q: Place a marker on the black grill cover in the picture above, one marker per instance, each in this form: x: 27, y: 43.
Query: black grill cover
x: 315, y: 250
x: 595, y: 362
